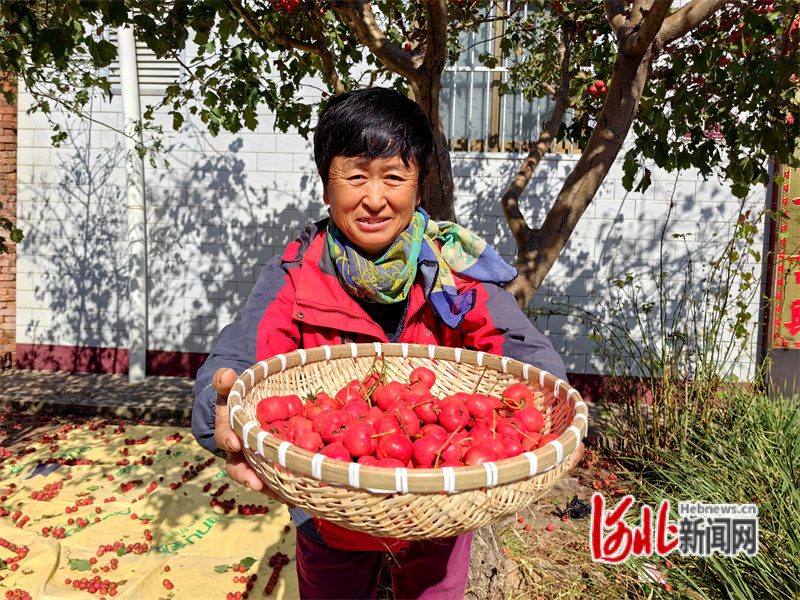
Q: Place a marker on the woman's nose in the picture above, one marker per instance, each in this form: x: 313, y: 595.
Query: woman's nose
x: 374, y: 196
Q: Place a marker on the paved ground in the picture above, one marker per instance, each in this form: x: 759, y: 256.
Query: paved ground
x: 91, y: 394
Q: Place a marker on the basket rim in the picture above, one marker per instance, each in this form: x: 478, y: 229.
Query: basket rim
x: 383, y: 480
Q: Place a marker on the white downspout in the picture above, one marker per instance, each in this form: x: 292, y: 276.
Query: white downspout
x: 137, y: 218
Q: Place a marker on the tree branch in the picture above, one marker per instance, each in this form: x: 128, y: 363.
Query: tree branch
x: 510, y: 201
x: 71, y: 108
x: 358, y: 16
x: 687, y: 18
x: 324, y: 53
x: 436, y: 34
x: 319, y: 48
x: 477, y: 20
x: 647, y: 28
x: 615, y: 14
x: 269, y: 33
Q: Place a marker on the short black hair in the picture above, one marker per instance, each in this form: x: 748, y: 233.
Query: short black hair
x: 373, y: 123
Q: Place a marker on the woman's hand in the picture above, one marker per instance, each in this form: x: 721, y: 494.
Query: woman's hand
x: 577, y: 455
x: 237, y: 466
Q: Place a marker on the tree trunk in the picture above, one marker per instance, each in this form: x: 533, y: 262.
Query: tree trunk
x: 437, y: 189
x: 487, y: 567
x: 537, y: 257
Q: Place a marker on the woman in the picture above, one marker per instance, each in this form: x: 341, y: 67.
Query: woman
x: 379, y: 270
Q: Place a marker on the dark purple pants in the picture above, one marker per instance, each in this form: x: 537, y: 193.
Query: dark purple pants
x: 429, y: 570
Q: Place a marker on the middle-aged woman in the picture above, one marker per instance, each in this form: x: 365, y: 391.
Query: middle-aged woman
x: 378, y: 270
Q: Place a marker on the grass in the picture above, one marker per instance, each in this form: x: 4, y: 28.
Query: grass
x: 749, y: 454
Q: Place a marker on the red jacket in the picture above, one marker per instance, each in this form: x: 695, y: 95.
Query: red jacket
x: 299, y: 303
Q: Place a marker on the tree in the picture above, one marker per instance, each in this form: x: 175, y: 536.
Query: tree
x: 683, y: 78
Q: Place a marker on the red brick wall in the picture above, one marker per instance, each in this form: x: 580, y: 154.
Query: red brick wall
x: 8, y: 262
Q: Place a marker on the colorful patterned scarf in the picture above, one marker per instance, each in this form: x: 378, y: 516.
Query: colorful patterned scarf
x: 388, y: 279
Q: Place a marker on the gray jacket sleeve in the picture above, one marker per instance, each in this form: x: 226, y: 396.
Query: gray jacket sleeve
x: 522, y: 341
x: 235, y: 349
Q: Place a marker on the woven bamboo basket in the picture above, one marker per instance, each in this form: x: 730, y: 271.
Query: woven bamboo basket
x: 408, y: 504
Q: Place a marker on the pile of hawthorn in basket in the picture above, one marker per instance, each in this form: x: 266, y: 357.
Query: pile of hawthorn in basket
x: 405, y: 425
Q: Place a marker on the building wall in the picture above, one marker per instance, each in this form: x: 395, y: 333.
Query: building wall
x: 226, y: 205
x: 8, y: 200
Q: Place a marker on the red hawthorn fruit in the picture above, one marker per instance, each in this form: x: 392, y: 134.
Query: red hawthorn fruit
x: 332, y: 427
x: 461, y: 396
x: 461, y: 437
x: 497, y: 446
x: 368, y: 460
x: 359, y: 441
x: 352, y: 391
x: 311, y: 442
x: 454, y: 415
x: 479, y: 433
x: 546, y: 439
x: 316, y: 422
x: 510, y: 428
x: 369, y: 381
x: 513, y: 448
x: 372, y: 415
x: 312, y: 410
x: 396, y: 404
x: 299, y: 425
x: 425, y: 407
x: 517, y: 396
x: 479, y: 406
x: 387, y: 424
x: 395, y: 445
x: 453, y: 452
x: 531, y: 418
x: 272, y: 408
x: 324, y: 397
x: 280, y: 429
x: 409, y: 422
x: 433, y: 429
x: 356, y: 408
x: 530, y: 441
x: 417, y: 389
x: 426, y: 448
x: 294, y: 405
x: 422, y: 375
x: 385, y: 395
x: 479, y: 455
x: 337, y: 451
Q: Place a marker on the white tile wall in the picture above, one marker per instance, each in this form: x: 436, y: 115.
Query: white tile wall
x: 227, y: 204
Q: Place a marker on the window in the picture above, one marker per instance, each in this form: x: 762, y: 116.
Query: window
x: 475, y: 117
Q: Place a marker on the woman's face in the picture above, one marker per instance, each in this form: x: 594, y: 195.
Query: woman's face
x: 372, y: 201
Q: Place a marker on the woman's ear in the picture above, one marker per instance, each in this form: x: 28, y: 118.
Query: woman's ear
x: 419, y: 196
x: 325, y: 198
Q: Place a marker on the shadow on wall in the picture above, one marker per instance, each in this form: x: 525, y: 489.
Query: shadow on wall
x: 647, y: 277
x: 209, y: 233
x: 215, y: 218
